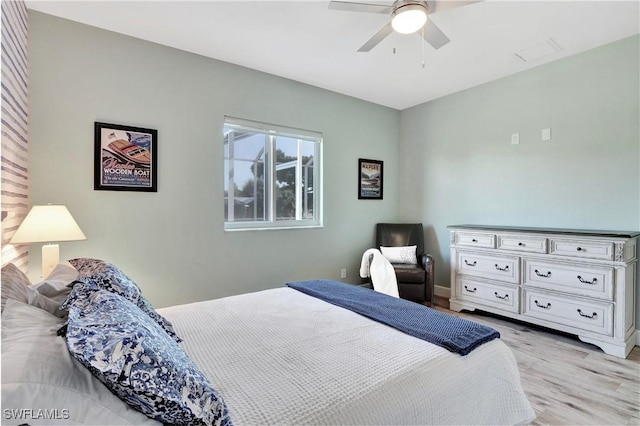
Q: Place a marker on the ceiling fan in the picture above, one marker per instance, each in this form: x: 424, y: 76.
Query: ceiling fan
x: 406, y: 17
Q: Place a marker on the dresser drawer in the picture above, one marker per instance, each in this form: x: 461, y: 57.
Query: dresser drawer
x: 583, y: 280
x: 502, y: 297
x: 522, y: 243
x: 587, y: 249
x: 574, y: 312
x: 502, y: 268
x: 475, y: 239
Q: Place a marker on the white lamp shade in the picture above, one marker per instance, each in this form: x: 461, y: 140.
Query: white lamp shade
x: 409, y: 19
x: 48, y: 223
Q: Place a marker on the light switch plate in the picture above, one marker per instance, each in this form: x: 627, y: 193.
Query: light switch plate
x: 515, y: 138
x: 546, y: 134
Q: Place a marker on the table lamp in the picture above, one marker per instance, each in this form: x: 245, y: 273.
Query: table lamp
x: 47, y: 224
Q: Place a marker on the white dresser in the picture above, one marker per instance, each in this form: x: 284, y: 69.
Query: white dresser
x: 577, y: 281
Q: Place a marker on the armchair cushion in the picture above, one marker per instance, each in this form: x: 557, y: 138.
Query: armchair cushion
x: 409, y: 273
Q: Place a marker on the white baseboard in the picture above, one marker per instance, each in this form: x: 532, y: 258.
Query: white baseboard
x: 446, y: 293
x: 442, y: 291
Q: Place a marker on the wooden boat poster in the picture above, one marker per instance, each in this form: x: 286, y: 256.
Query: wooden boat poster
x: 125, y: 158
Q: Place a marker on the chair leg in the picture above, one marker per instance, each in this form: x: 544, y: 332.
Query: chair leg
x: 429, y: 284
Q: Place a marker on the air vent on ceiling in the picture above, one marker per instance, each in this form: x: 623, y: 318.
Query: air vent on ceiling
x: 539, y: 51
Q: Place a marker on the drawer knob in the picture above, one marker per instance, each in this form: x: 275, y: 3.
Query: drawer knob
x: 595, y: 314
x: 506, y: 268
x: 474, y: 240
x: 579, y: 249
x: 470, y: 264
x: 593, y: 281
x: 543, y: 306
x: 506, y: 296
x: 538, y: 273
x: 520, y: 244
x: 469, y: 290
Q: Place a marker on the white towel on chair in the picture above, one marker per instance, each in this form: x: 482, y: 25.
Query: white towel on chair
x: 383, y: 277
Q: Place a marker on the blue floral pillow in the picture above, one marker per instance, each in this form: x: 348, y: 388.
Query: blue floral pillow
x: 98, y: 274
x: 140, y: 363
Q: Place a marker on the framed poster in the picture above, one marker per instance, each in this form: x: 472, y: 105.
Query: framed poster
x: 369, y: 179
x: 125, y: 158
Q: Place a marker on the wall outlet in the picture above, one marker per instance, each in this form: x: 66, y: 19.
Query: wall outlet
x: 343, y: 273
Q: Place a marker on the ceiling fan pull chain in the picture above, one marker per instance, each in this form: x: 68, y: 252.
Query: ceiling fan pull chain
x: 423, y: 58
x: 395, y: 40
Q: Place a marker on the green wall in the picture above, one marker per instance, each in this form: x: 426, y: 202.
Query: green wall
x: 448, y: 161
x: 172, y: 242
x: 459, y: 165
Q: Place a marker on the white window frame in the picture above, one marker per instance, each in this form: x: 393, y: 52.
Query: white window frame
x: 272, y: 132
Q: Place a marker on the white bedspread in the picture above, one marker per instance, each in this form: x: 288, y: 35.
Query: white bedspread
x: 282, y: 357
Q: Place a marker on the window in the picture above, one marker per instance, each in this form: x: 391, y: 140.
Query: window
x: 272, y: 176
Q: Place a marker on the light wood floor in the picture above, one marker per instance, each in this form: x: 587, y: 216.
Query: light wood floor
x: 567, y: 381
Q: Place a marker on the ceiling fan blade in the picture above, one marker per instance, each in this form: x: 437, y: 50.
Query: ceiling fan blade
x: 360, y: 7
x: 434, y: 36
x: 435, y: 6
x: 377, y: 38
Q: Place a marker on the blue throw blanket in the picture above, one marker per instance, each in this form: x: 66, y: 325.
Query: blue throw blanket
x: 452, y: 333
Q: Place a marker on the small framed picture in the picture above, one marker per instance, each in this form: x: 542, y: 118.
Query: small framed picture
x: 369, y: 179
x: 125, y: 158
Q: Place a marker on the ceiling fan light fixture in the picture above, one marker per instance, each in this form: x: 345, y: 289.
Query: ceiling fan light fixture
x: 409, y: 18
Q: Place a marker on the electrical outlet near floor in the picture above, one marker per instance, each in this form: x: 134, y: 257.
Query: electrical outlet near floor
x: 343, y: 273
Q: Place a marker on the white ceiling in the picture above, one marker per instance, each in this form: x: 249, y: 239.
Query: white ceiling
x: 305, y: 41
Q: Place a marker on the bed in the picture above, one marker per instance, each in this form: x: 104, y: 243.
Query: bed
x: 277, y: 356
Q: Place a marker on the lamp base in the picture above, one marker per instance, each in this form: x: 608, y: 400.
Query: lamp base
x: 50, y: 258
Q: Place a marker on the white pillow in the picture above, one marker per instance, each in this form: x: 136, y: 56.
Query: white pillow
x: 43, y: 384
x: 14, y: 284
x: 57, y: 283
x: 403, y: 254
x: 50, y: 293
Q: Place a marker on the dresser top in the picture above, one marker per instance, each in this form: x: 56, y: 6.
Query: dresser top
x: 590, y: 232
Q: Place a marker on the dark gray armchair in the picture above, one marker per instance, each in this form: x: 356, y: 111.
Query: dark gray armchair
x: 415, y: 282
